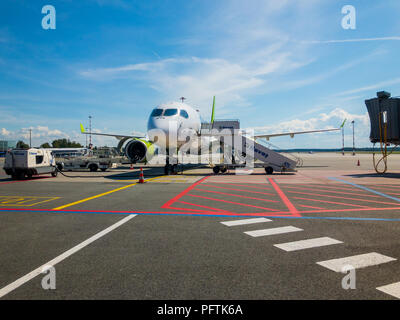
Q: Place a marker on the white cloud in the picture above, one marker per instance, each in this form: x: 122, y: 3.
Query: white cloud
x: 39, y: 134
x: 5, y: 132
x: 351, y: 40
x: 201, y: 78
x: 329, y: 120
x: 371, y: 87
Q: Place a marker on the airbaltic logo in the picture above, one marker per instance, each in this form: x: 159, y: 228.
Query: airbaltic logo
x: 264, y: 154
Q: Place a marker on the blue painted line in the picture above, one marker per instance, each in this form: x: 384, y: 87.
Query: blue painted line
x: 366, y: 189
x: 210, y: 215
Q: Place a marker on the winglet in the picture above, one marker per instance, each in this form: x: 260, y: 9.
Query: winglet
x: 82, y: 128
x: 212, y: 113
x: 343, y: 123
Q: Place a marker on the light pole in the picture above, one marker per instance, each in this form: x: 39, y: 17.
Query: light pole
x: 342, y: 127
x: 30, y: 138
x: 354, y: 149
x: 90, y: 132
x: 343, y: 140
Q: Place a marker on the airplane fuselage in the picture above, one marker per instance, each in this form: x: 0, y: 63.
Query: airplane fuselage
x: 173, y: 124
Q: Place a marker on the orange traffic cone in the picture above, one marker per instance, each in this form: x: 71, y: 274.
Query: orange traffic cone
x: 141, y: 177
x: 358, y: 163
x: 131, y: 166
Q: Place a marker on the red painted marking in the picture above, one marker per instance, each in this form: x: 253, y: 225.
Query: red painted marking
x: 285, y: 199
x: 202, y: 206
x: 235, y: 195
x: 329, y: 191
x: 345, y: 198
x: 187, y: 210
x: 238, y: 203
x: 387, y: 186
x: 317, y: 208
x: 27, y: 180
x: 7, y: 182
x: 169, y: 202
x: 349, y: 210
x: 326, y: 201
x: 269, y: 214
x: 241, y: 185
x: 249, y: 191
x: 335, y: 187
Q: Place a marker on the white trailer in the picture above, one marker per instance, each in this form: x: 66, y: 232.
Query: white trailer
x: 93, y: 164
x: 21, y: 163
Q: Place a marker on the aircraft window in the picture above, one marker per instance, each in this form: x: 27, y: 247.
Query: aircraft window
x: 184, y: 114
x: 157, y: 112
x: 170, y: 112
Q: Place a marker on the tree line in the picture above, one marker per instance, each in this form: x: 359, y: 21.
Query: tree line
x: 59, y: 143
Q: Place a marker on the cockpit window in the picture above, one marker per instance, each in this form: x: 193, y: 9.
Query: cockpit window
x: 184, y: 114
x: 170, y: 112
x: 157, y: 112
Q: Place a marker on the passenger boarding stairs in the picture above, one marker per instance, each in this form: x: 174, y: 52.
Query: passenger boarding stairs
x: 247, y: 148
x: 299, y: 161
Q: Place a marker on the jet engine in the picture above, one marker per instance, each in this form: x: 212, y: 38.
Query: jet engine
x: 139, y: 150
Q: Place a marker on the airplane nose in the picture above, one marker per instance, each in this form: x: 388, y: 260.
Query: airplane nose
x: 163, y: 132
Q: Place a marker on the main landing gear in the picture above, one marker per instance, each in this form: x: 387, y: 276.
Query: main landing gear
x: 170, y: 168
x: 218, y: 169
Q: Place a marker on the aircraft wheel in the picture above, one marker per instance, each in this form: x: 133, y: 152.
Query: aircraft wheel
x: 224, y: 169
x: 54, y: 173
x: 167, y: 169
x: 93, y: 168
x: 174, y: 169
x: 216, y: 170
x: 269, y: 170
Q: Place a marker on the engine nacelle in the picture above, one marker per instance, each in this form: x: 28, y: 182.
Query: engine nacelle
x: 139, y: 150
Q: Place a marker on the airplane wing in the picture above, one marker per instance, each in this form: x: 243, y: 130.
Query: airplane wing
x: 291, y: 134
x: 118, y: 136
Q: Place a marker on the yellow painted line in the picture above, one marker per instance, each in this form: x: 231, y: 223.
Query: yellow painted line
x: 22, y: 204
x: 11, y: 200
x: 34, y: 204
x: 102, y: 194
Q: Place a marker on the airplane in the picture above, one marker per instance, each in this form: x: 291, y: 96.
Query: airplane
x: 171, y: 126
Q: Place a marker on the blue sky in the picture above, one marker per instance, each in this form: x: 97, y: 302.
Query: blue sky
x: 275, y: 65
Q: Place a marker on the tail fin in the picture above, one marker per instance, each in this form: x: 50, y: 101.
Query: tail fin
x: 82, y: 129
x: 343, y: 123
x: 213, y: 109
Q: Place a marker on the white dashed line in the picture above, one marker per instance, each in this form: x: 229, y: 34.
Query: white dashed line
x: 357, y: 262
x: 391, y: 289
x: 272, y: 231
x: 19, y: 282
x: 244, y: 221
x: 306, y: 244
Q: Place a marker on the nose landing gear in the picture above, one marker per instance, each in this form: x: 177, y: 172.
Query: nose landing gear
x: 170, y: 168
